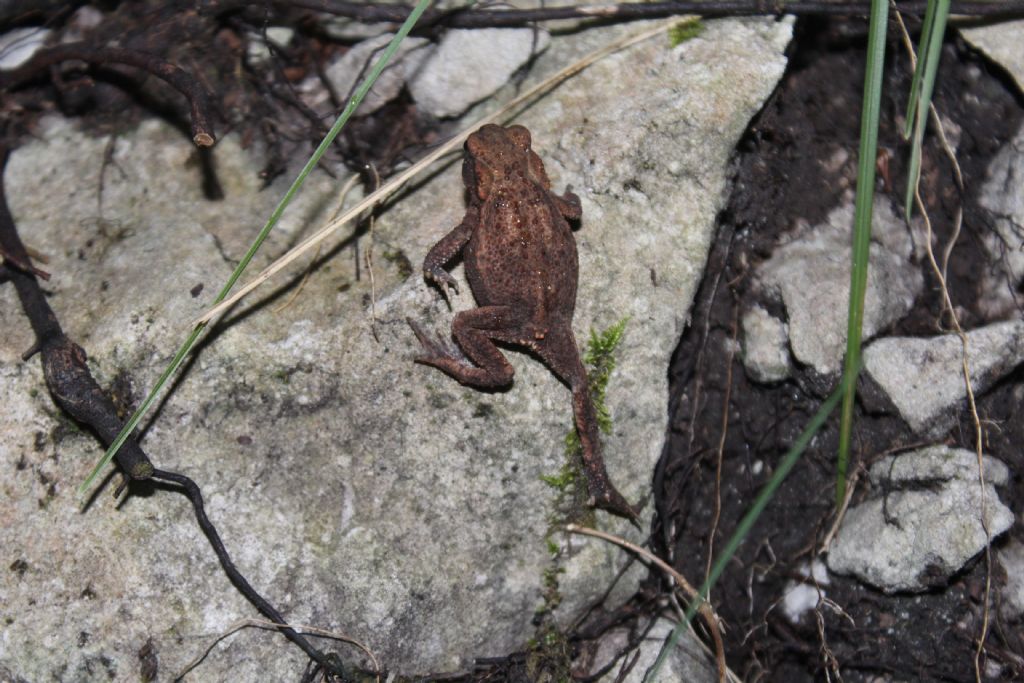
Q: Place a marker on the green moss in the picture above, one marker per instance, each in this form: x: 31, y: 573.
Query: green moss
x: 599, y: 356
x: 565, y: 477
x: 600, y: 360
x: 549, y: 659
x: 684, y: 31
x: 398, y: 258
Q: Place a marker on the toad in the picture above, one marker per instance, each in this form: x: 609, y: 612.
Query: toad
x: 521, y: 263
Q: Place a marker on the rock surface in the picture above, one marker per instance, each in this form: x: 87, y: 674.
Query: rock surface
x: 765, y: 346
x: 1001, y: 43
x: 1011, y: 557
x: 1003, y: 195
x: 361, y: 493
x: 923, y: 377
x: 444, y: 86
x: 18, y: 45
x: 922, y: 522
x: 686, y: 662
x: 351, y: 68
x: 811, y: 274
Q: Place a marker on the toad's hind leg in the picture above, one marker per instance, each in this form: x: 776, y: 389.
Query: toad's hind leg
x: 559, y: 352
x: 474, y: 331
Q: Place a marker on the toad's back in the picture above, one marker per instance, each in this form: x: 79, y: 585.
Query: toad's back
x: 522, y: 253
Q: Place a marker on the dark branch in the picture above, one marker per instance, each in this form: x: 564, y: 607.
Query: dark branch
x: 478, y: 18
x: 77, y: 393
x: 193, y: 493
x: 64, y: 362
x: 180, y: 80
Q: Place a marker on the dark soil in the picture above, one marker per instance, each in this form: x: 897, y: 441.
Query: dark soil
x: 783, y: 176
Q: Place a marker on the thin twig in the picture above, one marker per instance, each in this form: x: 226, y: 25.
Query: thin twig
x: 705, y: 609
x: 720, y: 451
x: 399, y: 180
x: 276, y: 626
x: 368, y: 12
x: 369, y: 254
x: 345, y: 189
x: 195, y: 496
x: 940, y: 275
x: 74, y: 389
x: 180, y: 80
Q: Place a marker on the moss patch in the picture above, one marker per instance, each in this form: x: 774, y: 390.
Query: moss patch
x: 684, y: 31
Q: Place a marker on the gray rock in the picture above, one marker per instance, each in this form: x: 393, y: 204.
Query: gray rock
x: 360, y: 492
x: 1002, y: 195
x: 922, y: 522
x: 1011, y: 558
x: 811, y: 274
x: 923, y: 377
x: 1001, y: 43
x: 257, y: 50
x: 445, y: 87
x: 352, y: 67
x: 686, y: 662
x: 18, y: 45
x: 765, y: 346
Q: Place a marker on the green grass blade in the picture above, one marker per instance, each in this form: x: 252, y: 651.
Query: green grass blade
x: 183, y: 352
x: 915, y: 85
x: 861, y: 230
x: 929, y: 55
x: 743, y: 528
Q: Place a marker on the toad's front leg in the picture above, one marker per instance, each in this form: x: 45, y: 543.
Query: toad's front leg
x: 474, y: 331
x: 446, y: 249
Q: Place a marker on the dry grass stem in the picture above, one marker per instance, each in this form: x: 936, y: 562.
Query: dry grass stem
x: 345, y: 189
x: 705, y: 609
x: 400, y: 179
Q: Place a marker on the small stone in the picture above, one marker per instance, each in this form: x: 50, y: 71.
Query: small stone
x: 445, y: 87
x: 1011, y: 557
x: 802, y: 596
x: 922, y: 523
x: 811, y: 274
x: 1002, y: 197
x: 1001, y: 44
x: 18, y: 45
x: 355, y: 65
x: 257, y: 50
x: 765, y: 346
x: 923, y: 377
x: 686, y: 662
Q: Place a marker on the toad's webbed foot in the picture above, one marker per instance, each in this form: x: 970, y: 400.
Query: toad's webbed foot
x: 442, y: 279
x: 604, y: 496
x: 437, y: 351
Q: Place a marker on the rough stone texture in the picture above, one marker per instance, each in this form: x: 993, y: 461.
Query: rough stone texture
x: 1001, y: 43
x: 923, y: 377
x: 352, y: 67
x: 923, y: 521
x: 360, y: 492
x: 1011, y: 557
x: 444, y: 86
x: 811, y: 273
x: 765, y: 346
x: 687, y: 661
x: 1003, y: 195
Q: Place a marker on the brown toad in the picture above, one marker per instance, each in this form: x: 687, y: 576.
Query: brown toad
x: 521, y: 263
